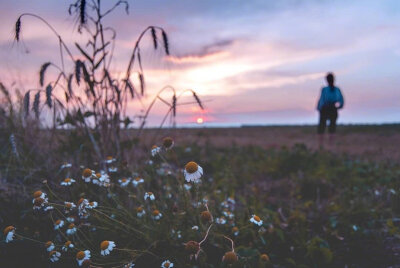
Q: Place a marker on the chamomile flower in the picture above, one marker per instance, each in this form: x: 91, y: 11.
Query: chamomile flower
x: 140, y: 212
x: 49, y: 246
x: 66, y: 165
x: 54, y: 256
x: 92, y: 205
x: 39, y: 203
x: 220, y: 220
x: 137, y: 181
x: 82, y: 256
x: 256, y: 220
x: 228, y: 214
x: 235, y: 231
x: 39, y: 194
x: 112, y: 169
x: 110, y: 160
x: 167, y: 264
x: 87, y: 174
x: 71, y: 229
x: 69, y: 206
x: 193, y: 172
x: 68, y: 245
x: 156, y: 214
x: 58, y: 224
x: 9, y: 232
x: 168, y: 143
x: 71, y: 219
x: 124, y: 182
x: 149, y: 195
x: 106, y: 247
x: 195, y: 227
x: 155, y: 150
x: 67, y: 182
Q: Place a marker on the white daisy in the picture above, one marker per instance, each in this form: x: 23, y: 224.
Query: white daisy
x: 155, y: 150
x: 49, y: 246
x: 9, y: 232
x: 167, y: 264
x: 81, y: 256
x: 149, y: 195
x: 54, y: 255
x: 256, y: 220
x: 58, y: 224
x: 112, y: 169
x: 193, y: 172
x: 137, y: 181
x: 67, y: 182
x: 124, y: 182
x: 69, y: 206
x: 140, y: 212
x: 71, y: 229
x: 106, y: 247
x: 66, y: 165
x: 68, y: 245
x: 110, y: 160
x: 220, y: 220
x: 156, y: 214
x: 87, y: 174
x: 92, y: 205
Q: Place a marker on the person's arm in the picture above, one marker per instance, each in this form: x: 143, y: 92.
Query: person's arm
x: 340, y: 99
x: 321, y: 100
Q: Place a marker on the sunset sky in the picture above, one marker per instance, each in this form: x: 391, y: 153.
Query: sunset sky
x: 252, y: 62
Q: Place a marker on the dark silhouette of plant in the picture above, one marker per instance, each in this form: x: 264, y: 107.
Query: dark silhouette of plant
x: 95, y: 101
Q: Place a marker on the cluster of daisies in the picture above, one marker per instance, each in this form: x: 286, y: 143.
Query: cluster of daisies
x: 77, y: 214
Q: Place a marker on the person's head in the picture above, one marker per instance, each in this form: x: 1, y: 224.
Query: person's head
x: 330, y: 78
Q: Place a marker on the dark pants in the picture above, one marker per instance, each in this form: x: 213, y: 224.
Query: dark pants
x: 328, y: 112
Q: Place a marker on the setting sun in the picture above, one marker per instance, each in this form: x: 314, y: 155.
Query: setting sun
x: 200, y: 120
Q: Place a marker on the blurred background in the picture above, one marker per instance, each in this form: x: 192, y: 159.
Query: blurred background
x: 251, y: 62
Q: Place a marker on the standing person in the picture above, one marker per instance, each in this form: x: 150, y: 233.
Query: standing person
x: 330, y: 101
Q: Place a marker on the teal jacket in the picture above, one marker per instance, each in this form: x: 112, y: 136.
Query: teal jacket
x: 329, y: 96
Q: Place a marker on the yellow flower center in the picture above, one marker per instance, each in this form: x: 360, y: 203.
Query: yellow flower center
x: 80, y: 255
x: 256, y: 218
x: 154, y: 147
x: 235, y: 229
x: 58, y: 222
x: 38, y: 201
x: 205, y: 216
x: 264, y: 257
x: 71, y: 225
x: 67, y: 180
x: 191, y: 167
x: 124, y: 180
x: 37, y: 194
x: 139, y: 209
x: 167, y: 142
x: 104, y: 245
x: 91, y: 204
x: 87, y: 173
x: 167, y: 264
x: 67, y: 244
x: 68, y: 205
x: 109, y: 157
x: 98, y: 175
x: 230, y: 257
x: 48, y: 244
x: 149, y: 193
x: 8, y: 229
x: 156, y: 212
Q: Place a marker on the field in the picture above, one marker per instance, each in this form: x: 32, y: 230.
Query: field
x: 269, y: 197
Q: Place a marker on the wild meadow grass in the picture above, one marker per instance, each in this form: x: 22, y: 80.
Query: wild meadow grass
x: 249, y: 207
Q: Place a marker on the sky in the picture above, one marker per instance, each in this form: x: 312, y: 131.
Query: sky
x: 251, y: 62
